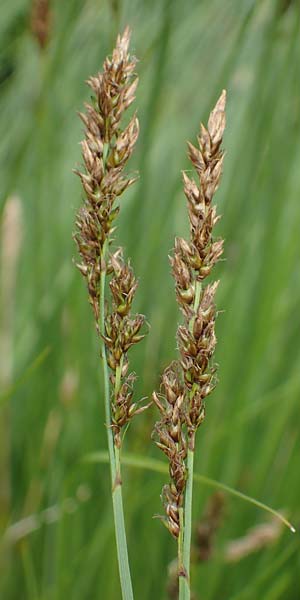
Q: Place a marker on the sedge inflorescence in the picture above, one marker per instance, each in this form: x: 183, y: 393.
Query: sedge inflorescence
x: 187, y: 382
x: 106, y: 150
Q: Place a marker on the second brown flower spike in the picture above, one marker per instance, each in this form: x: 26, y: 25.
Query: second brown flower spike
x: 187, y: 382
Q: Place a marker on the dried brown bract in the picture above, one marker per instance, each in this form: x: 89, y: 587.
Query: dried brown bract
x: 105, y: 150
x: 192, y: 262
x: 40, y: 22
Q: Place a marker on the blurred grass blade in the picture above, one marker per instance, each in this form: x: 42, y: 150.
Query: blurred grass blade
x: 151, y: 464
x: 36, y: 363
x: 268, y: 574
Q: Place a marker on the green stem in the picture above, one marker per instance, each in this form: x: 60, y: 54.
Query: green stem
x: 188, y: 523
x: 189, y: 484
x: 118, y: 376
x: 126, y: 585
x: 181, y: 577
x: 114, y: 459
x: 105, y: 371
x: 198, y: 289
x: 185, y: 593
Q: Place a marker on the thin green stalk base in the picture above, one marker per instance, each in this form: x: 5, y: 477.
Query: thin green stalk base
x: 181, y: 572
x: 188, y: 525
x: 124, y: 569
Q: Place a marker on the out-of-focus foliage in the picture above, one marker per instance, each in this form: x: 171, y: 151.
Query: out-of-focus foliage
x: 51, y: 406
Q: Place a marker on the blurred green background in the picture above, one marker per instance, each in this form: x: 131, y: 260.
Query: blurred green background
x: 56, y: 512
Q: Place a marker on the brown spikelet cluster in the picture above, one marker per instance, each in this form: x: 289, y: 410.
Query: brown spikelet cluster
x: 106, y: 149
x: 122, y: 330
x: 183, y: 402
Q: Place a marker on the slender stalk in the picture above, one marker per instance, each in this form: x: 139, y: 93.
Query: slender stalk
x: 105, y: 373
x: 198, y: 289
x: 189, y: 485
x: 114, y: 459
x: 181, y: 578
x: 188, y: 524
x: 118, y: 375
x: 125, y: 577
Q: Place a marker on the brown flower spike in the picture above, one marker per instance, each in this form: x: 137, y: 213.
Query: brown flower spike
x: 106, y: 149
x: 186, y: 383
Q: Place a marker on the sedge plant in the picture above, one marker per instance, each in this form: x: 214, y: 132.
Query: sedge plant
x: 190, y: 379
x: 186, y: 382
